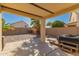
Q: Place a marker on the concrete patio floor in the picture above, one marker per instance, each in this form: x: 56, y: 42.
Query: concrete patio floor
x: 30, y: 45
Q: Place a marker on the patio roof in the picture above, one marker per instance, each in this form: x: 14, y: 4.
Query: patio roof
x: 39, y: 10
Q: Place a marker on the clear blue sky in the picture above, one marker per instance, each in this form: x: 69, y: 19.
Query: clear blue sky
x: 12, y: 18
x: 65, y: 18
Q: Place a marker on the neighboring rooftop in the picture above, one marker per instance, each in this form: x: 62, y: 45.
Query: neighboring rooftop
x: 20, y: 24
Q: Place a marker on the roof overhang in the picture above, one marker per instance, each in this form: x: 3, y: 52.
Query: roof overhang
x: 39, y: 10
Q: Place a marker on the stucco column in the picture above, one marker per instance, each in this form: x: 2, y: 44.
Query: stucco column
x: 0, y: 30
x: 42, y: 30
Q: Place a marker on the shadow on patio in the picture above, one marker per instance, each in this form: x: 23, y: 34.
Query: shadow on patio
x: 34, y: 47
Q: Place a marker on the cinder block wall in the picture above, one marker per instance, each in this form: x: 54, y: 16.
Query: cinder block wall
x: 63, y: 30
x: 16, y: 32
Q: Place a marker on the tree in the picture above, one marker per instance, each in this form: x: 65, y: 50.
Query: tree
x: 3, y: 22
x: 5, y: 26
x: 49, y: 24
x: 58, y: 24
x: 36, y: 24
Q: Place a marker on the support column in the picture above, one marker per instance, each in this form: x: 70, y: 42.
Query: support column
x: 0, y: 30
x: 42, y: 30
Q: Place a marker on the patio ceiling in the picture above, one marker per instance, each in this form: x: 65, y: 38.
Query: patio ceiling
x: 39, y: 10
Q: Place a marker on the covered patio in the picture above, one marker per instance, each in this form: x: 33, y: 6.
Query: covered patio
x: 41, y: 11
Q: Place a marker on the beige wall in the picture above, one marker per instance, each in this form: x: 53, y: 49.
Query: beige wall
x: 60, y: 31
x: 74, y: 17
x: 20, y: 24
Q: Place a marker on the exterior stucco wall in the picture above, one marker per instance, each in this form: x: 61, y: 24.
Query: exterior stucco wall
x: 74, y: 17
x: 20, y: 24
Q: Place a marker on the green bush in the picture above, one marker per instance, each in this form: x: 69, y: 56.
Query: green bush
x: 5, y: 26
x: 58, y: 24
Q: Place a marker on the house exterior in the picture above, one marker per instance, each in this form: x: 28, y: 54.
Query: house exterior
x: 74, y: 19
x: 20, y: 24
